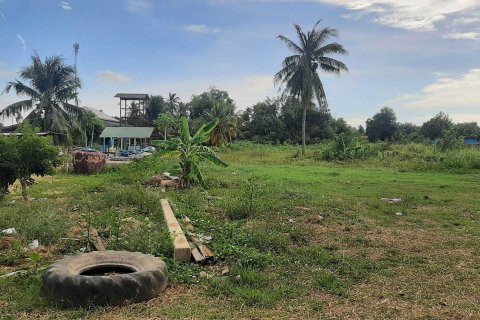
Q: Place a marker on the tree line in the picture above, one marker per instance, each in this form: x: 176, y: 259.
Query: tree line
x: 299, y: 115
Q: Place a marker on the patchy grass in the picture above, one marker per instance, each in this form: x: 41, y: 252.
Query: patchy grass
x: 299, y: 237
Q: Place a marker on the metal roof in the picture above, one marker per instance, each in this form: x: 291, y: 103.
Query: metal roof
x: 126, y: 132
x: 133, y: 96
x: 101, y: 115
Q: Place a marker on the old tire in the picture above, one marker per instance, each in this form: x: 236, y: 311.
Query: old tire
x: 66, y: 280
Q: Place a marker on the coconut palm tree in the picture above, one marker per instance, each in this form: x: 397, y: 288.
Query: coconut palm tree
x: 172, y: 102
x: 76, y: 49
x: 135, y: 115
x: 299, y: 74
x: 49, y: 86
x: 225, y: 130
x: 155, y: 106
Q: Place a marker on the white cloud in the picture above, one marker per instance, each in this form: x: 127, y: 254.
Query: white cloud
x: 200, y: 28
x: 475, y: 36
x: 139, y: 6
x: 465, y: 117
x: 466, y: 20
x: 110, y: 76
x: 407, y: 14
x: 65, y: 5
x: 455, y: 93
x: 22, y: 41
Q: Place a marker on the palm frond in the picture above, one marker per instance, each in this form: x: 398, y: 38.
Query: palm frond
x: 21, y: 89
x: 16, y: 108
x: 332, y: 65
x: 301, y: 36
x: 330, y: 48
x: 322, y: 35
x: 320, y: 92
x: 291, y: 45
x: 73, y: 110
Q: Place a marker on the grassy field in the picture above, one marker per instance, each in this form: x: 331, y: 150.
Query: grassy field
x: 302, y: 239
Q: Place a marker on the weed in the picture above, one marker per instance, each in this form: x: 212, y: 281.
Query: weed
x: 244, y: 205
x: 328, y: 282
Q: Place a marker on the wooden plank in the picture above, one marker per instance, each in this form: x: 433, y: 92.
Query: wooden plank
x: 181, y: 248
x: 205, y: 252
x: 197, y: 256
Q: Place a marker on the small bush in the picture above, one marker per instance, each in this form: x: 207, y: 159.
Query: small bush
x: 347, y: 147
x: 244, y: 205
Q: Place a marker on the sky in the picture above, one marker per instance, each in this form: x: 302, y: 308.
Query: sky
x: 416, y: 57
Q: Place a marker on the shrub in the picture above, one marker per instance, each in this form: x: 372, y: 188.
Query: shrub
x: 245, y: 204
x: 23, y: 156
x: 191, y: 151
x: 347, y: 147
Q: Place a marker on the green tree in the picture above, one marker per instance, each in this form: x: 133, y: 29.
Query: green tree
x: 262, y: 122
x: 408, y: 132
x: 361, y: 130
x: 156, y: 105
x: 51, y: 84
x: 135, y: 116
x: 434, y: 127
x: 165, y: 121
x: 172, y: 103
x: 91, y: 127
x: 76, y: 50
x: 23, y: 156
x: 191, y: 151
x: 319, y: 122
x: 299, y: 73
x: 382, y: 126
x: 226, y: 129
x: 203, y: 103
x: 467, y: 129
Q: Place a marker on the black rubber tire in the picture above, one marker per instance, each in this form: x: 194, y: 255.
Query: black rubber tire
x: 64, y: 282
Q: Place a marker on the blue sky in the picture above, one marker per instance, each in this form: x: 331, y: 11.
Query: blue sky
x: 417, y: 57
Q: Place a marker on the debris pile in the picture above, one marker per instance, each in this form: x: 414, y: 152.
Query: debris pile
x: 200, y: 252
x: 162, y: 180
x: 88, y: 162
x: 391, y: 200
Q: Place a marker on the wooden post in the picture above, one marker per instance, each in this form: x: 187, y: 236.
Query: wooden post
x: 181, y: 248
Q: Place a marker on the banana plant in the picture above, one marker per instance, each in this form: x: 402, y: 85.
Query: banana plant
x: 191, y: 151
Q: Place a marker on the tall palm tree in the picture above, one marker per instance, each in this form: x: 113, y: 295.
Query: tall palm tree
x: 135, y: 115
x: 76, y: 49
x: 172, y: 102
x: 226, y: 129
x: 155, y: 106
x: 49, y: 86
x: 299, y: 73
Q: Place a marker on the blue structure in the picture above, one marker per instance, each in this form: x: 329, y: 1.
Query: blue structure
x: 471, y: 141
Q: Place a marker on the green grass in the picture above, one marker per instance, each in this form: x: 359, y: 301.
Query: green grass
x: 283, y: 259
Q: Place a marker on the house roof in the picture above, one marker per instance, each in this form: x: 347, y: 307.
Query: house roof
x: 127, y: 132
x: 132, y: 96
x: 101, y: 115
